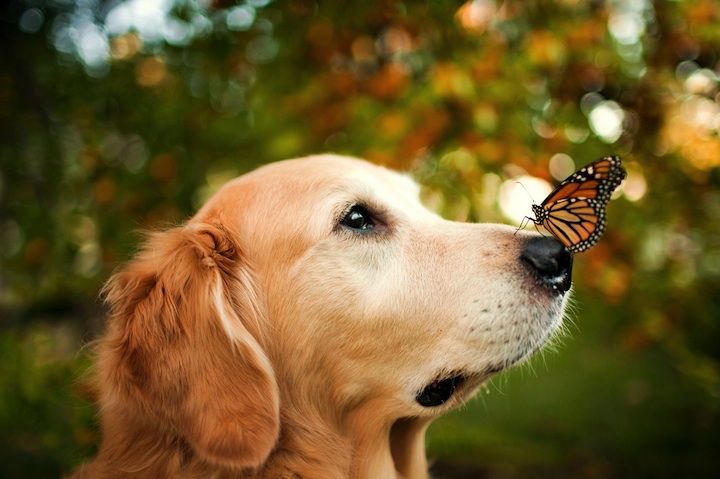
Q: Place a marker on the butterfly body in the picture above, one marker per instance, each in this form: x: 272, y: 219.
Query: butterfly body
x: 575, y: 211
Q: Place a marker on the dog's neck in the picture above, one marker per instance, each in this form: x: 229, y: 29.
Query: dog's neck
x: 308, y: 447
x: 361, y: 445
x: 328, y: 432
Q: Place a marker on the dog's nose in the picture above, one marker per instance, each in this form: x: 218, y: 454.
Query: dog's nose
x: 550, y: 260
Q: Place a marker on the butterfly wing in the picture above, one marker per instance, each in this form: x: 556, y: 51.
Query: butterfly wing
x: 577, y: 222
x: 575, y: 211
x: 595, y: 181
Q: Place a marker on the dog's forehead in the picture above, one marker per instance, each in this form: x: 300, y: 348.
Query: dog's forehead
x: 331, y: 177
x: 385, y: 185
x: 352, y: 174
x: 397, y: 193
x: 321, y: 183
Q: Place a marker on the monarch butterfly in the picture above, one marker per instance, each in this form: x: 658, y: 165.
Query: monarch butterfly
x: 575, y: 211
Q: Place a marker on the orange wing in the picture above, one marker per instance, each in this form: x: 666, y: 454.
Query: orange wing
x: 577, y: 222
x: 595, y: 180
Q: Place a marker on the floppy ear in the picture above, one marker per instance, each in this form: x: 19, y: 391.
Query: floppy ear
x: 182, y: 350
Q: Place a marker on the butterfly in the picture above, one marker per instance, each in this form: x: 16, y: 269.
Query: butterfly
x: 575, y: 211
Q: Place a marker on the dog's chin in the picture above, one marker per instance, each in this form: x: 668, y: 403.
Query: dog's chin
x: 455, y: 388
x: 452, y: 388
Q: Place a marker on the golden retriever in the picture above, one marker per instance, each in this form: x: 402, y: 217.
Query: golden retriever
x: 310, y: 321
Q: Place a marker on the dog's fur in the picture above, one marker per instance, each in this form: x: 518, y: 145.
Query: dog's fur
x: 265, y: 339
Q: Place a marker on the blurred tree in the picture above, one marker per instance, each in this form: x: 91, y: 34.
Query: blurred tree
x: 119, y: 115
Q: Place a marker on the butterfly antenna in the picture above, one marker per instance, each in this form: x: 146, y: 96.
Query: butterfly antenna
x: 526, y: 219
x: 526, y: 191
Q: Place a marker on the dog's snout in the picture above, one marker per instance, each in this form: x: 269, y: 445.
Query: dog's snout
x: 550, y: 260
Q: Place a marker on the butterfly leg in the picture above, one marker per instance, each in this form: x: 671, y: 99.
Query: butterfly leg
x: 524, y: 223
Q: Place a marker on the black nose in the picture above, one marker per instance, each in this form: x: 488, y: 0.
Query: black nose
x: 550, y: 261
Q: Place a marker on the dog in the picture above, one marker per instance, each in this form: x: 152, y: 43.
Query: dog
x: 310, y: 321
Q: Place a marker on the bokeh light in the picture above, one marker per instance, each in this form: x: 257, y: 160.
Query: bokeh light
x: 635, y: 186
x: 516, y: 195
x: 561, y: 166
x: 476, y: 15
x: 606, y: 121
x: 31, y: 20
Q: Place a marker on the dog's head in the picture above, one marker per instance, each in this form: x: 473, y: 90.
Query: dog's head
x: 322, y: 288
x: 380, y: 295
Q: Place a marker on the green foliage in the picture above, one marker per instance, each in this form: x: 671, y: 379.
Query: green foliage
x: 109, y: 130
x: 46, y: 427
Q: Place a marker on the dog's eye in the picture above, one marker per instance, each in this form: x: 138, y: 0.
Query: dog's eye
x: 358, y: 219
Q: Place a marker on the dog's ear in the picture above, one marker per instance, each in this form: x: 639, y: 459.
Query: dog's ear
x: 182, y: 348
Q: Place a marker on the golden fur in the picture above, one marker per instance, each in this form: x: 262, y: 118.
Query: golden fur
x: 262, y: 340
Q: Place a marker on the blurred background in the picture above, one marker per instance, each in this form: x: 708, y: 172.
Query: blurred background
x: 117, y: 116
